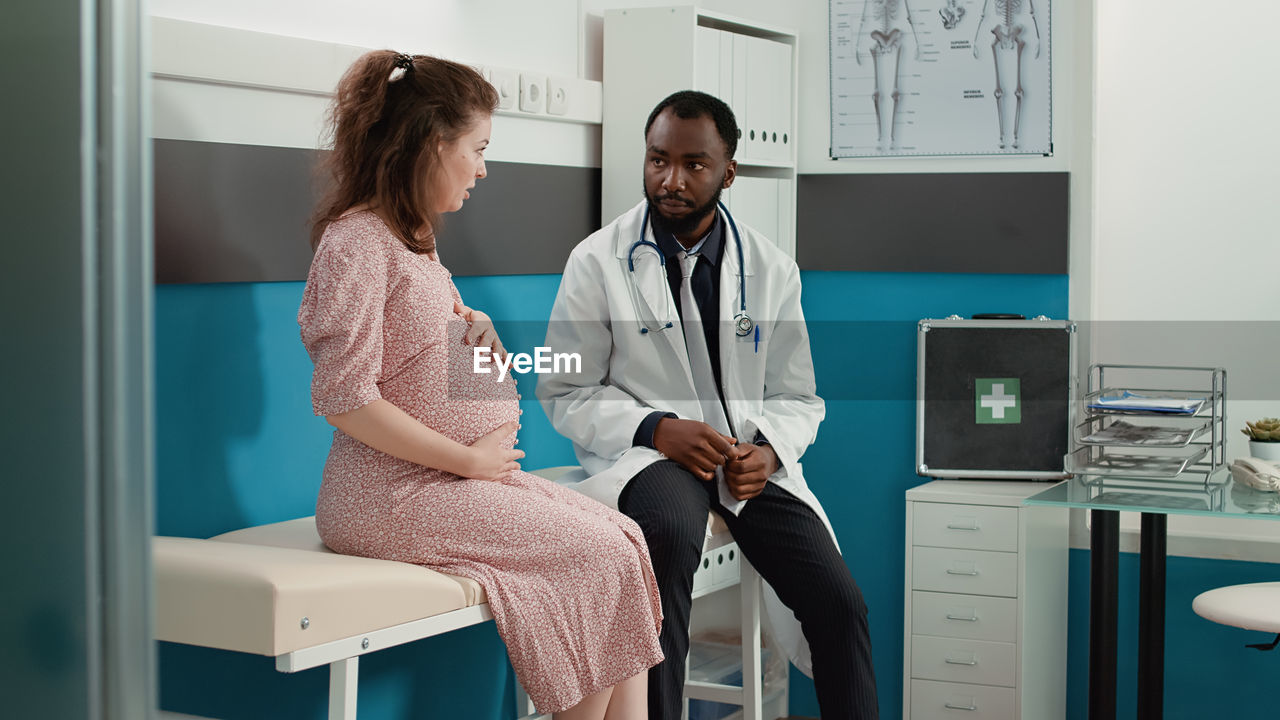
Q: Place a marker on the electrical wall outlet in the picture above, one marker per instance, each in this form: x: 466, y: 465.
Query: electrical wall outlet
x: 533, y: 93
x: 507, y: 83
x: 557, y: 96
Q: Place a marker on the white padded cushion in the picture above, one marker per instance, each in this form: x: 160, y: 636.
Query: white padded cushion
x: 235, y: 594
x: 554, y: 473
x: 1253, y: 607
x: 301, y: 534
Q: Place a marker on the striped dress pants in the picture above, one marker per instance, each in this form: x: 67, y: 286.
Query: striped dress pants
x: 790, y: 547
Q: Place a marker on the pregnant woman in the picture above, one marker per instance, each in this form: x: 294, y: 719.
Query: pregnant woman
x: 423, y: 467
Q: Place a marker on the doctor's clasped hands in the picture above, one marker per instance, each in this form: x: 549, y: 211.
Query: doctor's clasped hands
x: 698, y: 448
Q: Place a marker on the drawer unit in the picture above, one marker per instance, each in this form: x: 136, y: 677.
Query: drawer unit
x: 980, y: 662
x: 966, y: 526
x: 942, y: 700
x: 964, y: 616
x: 976, y: 572
x: 985, y: 631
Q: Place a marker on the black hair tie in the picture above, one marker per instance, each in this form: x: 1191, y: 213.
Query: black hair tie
x: 404, y: 62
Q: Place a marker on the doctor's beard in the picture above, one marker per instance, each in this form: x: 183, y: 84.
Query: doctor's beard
x: 686, y: 224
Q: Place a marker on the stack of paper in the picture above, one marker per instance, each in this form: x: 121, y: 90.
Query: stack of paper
x: 1123, y: 433
x: 1132, y: 402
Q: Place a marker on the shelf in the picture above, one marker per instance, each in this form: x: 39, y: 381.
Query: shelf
x: 1097, y: 431
x: 1098, y: 460
x: 1196, y: 478
x: 1150, y: 403
x: 1182, y: 431
x: 729, y: 23
x: 748, y: 163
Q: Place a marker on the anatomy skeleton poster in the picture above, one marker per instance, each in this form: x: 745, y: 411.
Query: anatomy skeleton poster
x: 940, y: 77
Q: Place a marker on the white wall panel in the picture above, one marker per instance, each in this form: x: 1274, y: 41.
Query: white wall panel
x: 223, y: 84
x: 204, y: 112
x: 1185, y: 263
x: 1187, y: 167
x: 541, y: 36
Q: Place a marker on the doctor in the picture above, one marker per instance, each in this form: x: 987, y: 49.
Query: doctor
x: 696, y: 393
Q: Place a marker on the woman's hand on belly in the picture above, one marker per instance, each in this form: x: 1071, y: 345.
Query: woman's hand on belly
x: 490, y: 458
x: 384, y: 427
x: 481, y: 332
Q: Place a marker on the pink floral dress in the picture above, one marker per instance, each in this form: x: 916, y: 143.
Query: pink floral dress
x: 568, y: 579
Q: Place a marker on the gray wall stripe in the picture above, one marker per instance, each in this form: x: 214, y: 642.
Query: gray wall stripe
x: 231, y: 213
x: 239, y: 213
x: 940, y: 222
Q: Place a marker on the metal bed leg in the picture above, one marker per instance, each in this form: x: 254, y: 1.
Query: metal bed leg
x: 749, y: 587
x: 343, y: 677
x: 524, y: 706
x: 522, y: 700
x: 684, y: 701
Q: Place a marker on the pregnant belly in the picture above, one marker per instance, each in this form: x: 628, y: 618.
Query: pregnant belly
x: 441, y: 390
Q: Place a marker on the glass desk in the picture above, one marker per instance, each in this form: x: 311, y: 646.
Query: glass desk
x: 1105, y: 498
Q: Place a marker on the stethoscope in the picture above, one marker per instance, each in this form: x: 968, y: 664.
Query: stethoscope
x: 742, y: 322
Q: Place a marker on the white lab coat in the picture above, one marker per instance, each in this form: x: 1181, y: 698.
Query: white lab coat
x: 627, y: 374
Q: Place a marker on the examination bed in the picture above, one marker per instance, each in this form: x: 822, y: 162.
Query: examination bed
x: 276, y: 590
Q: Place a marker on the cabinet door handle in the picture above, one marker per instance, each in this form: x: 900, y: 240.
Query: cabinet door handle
x: 971, y: 706
x: 971, y: 661
x: 962, y: 572
x: 973, y: 617
x: 971, y: 526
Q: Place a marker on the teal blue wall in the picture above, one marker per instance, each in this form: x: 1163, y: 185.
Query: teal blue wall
x: 236, y: 442
x: 237, y: 445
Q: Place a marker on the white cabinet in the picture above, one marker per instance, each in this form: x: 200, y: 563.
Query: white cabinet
x: 766, y: 204
x: 985, y: 603
x: 650, y: 53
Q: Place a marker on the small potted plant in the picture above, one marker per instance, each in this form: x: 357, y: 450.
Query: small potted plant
x: 1264, y: 438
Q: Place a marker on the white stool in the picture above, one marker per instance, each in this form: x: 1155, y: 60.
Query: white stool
x: 1255, y: 606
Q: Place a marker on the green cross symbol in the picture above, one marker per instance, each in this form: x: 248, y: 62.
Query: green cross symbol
x: 997, y: 401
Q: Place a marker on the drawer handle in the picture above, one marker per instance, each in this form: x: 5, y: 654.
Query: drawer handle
x: 972, y: 618
x: 971, y: 706
x: 962, y: 572
x: 971, y: 661
x: 970, y: 526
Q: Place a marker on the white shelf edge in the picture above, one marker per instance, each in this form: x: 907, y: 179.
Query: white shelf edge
x: 721, y: 21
